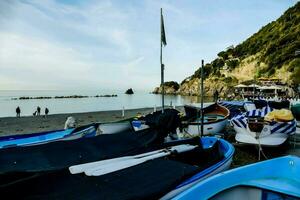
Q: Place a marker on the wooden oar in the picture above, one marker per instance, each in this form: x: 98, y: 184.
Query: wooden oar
x: 76, y: 169
x: 123, y: 164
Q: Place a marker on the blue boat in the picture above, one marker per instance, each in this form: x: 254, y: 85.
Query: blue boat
x: 207, y: 142
x: 156, y: 177
x: 49, y: 136
x: 278, y: 178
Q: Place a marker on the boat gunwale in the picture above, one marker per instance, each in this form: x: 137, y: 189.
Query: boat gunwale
x: 247, y: 182
x: 213, y: 121
x: 227, y: 156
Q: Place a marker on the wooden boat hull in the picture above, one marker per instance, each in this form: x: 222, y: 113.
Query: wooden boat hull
x: 215, y: 120
x: 208, y: 129
x: 253, y: 181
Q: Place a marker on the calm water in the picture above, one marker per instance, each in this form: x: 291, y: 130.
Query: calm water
x: 137, y: 100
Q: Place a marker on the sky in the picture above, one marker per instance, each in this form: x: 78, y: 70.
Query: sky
x: 115, y: 44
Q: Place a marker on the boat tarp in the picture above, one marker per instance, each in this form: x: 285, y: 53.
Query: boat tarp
x: 58, y: 155
x: 149, y: 180
x: 164, y: 123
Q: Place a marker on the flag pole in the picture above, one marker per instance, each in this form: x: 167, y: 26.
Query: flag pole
x: 162, y: 65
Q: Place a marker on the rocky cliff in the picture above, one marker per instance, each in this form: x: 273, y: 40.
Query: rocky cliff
x: 268, y: 53
x: 170, y: 87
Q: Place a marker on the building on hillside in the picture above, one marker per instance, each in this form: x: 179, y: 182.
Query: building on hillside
x: 246, y: 91
x: 262, y: 91
x: 270, y: 81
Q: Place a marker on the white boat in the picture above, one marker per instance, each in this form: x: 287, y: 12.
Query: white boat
x: 215, y: 120
x: 251, y: 128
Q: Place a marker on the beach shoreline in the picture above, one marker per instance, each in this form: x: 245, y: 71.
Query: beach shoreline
x: 33, y: 124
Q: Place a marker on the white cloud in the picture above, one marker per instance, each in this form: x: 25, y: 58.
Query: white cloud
x: 35, y: 60
x: 109, y: 43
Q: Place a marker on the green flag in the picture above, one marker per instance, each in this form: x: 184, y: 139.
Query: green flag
x: 162, y: 29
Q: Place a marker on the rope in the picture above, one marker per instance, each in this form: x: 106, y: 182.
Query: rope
x: 260, y: 150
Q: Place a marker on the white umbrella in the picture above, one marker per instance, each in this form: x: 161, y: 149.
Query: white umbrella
x: 240, y: 86
x: 273, y: 87
x: 253, y: 85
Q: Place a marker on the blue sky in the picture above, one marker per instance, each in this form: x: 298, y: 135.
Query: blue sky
x: 95, y: 44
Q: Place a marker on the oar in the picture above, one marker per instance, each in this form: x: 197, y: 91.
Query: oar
x: 83, y: 167
x: 108, y: 168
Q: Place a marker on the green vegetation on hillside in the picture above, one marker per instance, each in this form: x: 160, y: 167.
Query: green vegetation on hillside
x: 275, y: 44
x: 277, y: 41
x: 172, y: 84
x: 268, y: 53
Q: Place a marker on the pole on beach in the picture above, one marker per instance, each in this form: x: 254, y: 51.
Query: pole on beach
x: 162, y: 89
x: 162, y: 66
x: 202, y: 94
x: 123, y: 112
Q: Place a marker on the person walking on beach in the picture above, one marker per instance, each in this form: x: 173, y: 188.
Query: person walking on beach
x: 38, y: 109
x: 216, y: 95
x: 18, y: 111
x: 46, y: 112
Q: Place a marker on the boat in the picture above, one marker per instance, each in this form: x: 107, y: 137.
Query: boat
x: 62, y: 153
x: 59, y: 154
x: 48, y: 136
x: 92, y: 130
x: 258, y: 181
x: 145, y: 175
x: 89, y: 130
x: 215, y: 120
x: 252, y: 128
x: 235, y: 107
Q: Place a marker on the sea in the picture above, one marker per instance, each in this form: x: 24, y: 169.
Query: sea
x: 9, y: 101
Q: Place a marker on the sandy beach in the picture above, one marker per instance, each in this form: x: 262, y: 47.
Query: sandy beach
x: 32, y: 124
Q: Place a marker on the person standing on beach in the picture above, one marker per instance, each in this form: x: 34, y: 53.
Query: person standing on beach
x: 18, y: 111
x: 216, y: 96
x: 46, y: 112
x: 38, y: 111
